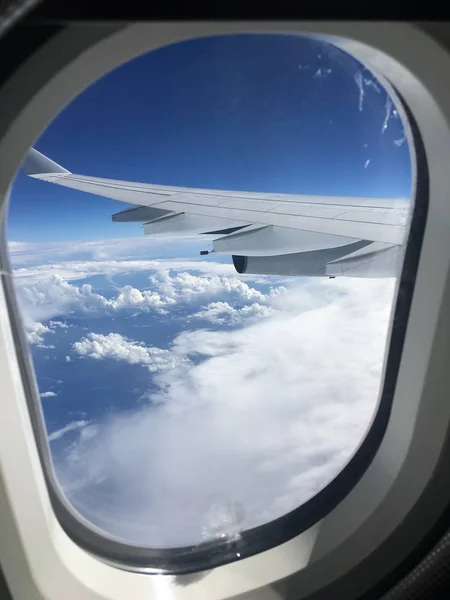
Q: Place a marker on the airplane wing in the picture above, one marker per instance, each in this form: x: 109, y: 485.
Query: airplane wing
x: 250, y: 224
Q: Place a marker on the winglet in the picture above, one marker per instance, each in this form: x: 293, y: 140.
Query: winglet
x: 36, y: 164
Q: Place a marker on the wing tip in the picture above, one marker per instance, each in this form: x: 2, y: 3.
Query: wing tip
x: 37, y: 163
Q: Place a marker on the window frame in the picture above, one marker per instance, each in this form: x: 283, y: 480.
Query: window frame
x: 105, y: 47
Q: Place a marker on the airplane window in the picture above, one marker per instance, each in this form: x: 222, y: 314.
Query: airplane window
x: 205, y: 246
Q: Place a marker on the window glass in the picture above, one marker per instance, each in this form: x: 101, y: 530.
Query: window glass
x: 189, y: 397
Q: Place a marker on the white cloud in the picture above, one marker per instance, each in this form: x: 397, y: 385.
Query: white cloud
x: 366, y: 164
x: 238, y: 426
x: 27, y: 253
x: 73, y: 270
x: 255, y: 423
x: 118, y: 347
x: 400, y: 141
x: 36, y: 332
x: 223, y: 312
x: 45, y: 293
x: 184, y: 286
x: 48, y: 395
x: 75, y: 425
x: 60, y: 324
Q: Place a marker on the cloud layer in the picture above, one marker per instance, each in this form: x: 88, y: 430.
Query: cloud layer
x: 29, y: 253
x: 223, y: 312
x: 238, y: 425
x: 45, y: 292
x: 255, y: 422
x: 117, y: 347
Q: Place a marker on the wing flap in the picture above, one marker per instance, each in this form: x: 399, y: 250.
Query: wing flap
x: 270, y: 240
x: 188, y: 224
x: 139, y: 214
x: 376, y: 232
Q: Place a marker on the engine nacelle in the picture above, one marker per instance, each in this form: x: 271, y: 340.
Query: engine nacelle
x: 359, y: 259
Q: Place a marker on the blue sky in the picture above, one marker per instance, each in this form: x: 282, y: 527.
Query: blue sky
x: 264, y: 113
